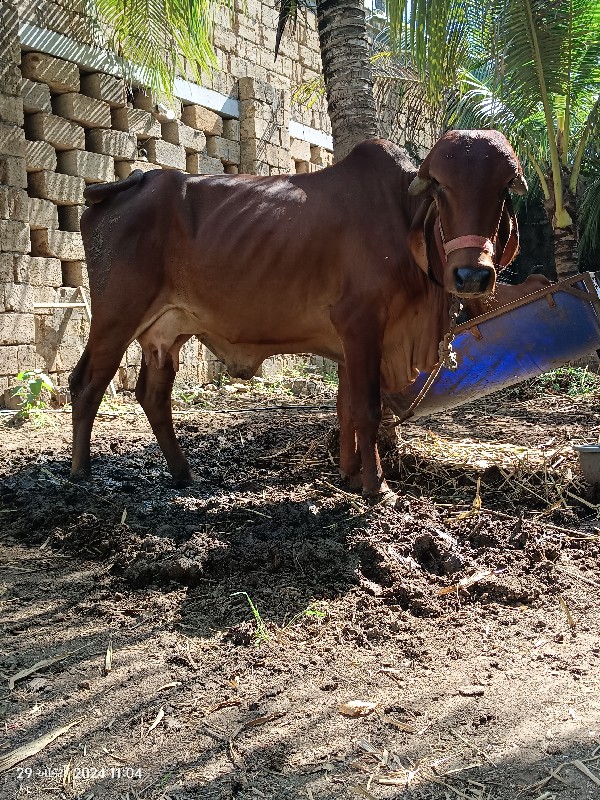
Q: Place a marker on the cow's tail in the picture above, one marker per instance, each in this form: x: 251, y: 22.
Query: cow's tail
x: 100, y: 191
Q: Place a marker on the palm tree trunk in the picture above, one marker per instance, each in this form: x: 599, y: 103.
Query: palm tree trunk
x: 565, y: 252
x: 347, y: 73
x: 566, y: 239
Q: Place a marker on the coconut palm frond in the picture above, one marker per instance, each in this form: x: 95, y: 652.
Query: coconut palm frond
x: 308, y: 93
x: 158, y: 39
x: 288, y: 13
x: 589, y: 209
x: 439, y: 34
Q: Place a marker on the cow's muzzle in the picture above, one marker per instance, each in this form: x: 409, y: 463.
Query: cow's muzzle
x: 471, y: 282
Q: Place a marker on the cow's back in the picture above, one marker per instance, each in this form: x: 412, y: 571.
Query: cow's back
x: 254, y: 264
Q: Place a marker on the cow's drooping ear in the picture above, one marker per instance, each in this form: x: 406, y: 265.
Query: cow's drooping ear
x: 518, y: 185
x: 418, y: 185
x: 421, y: 233
x: 507, y: 244
x: 422, y: 181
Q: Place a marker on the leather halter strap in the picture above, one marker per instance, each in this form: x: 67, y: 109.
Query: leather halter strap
x: 480, y: 242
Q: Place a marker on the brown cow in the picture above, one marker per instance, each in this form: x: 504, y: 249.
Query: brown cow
x: 357, y: 263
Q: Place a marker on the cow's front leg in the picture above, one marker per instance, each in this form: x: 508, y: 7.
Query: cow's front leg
x: 349, y: 454
x: 153, y: 392
x: 362, y: 342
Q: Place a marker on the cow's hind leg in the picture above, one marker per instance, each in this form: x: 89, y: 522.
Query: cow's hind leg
x: 153, y: 392
x: 87, y: 384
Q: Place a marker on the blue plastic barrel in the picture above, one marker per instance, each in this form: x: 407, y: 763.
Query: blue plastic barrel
x: 536, y: 334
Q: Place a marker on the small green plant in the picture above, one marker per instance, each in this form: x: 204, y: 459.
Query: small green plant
x: 31, y: 391
x: 261, y: 634
x: 312, y: 612
x: 572, y: 381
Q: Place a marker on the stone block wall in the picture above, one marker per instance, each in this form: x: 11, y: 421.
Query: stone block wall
x: 64, y: 125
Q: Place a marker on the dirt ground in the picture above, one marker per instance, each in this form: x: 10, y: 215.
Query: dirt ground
x: 264, y: 634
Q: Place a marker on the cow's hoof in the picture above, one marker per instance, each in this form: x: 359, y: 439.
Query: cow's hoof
x: 384, y: 498
x: 352, y: 483
x: 81, y: 476
x: 182, y: 481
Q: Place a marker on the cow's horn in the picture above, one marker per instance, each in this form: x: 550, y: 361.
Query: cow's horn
x: 419, y: 185
x: 518, y: 185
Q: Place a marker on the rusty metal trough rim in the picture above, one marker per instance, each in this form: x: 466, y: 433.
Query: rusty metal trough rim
x: 589, y: 279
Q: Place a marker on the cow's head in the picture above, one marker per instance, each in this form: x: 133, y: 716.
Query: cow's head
x: 466, y: 228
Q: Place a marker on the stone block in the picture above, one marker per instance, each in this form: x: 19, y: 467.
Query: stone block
x: 18, y: 297
x: 17, y: 328
x: 9, y: 362
x: 300, y: 150
x: 44, y: 272
x: 7, y: 267
x: 224, y: 38
x: 42, y: 214
x: 69, y: 217
x: 87, y: 111
x: 65, y: 245
x: 20, y: 265
x: 92, y: 167
x: 42, y: 295
x: 192, y: 140
x: 134, y: 120
x: 12, y: 141
x: 123, y: 169
x: 14, y: 236
x: 14, y: 204
x: 202, y: 119
x: 302, y: 167
x: 59, y: 75
x: 232, y: 169
x: 10, y: 48
x: 105, y: 87
x: 39, y: 155
x: 231, y: 129
x: 250, y: 150
x: 61, y: 133
x: 75, y: 274
x: 120, y: 145
x: 64, y: 190
x: 11, y: 110
x: 255, y: 167
x: 223, y: 83
x: 36, y: 97
x: 257, y: 90
x: 166, y: 109
x: 13, y: 171
x: 65, y: 358
x: 284, y: 138
x: 309, y: 58
x: 10, y: 79
x: 201, y: 164
x: 226, y: 150
x: 10, y: 19
x: 143, y: 100
x: 169, y: 156
x: 321, y: 156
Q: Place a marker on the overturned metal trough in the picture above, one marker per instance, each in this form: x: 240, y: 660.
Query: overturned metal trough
x: 539, y: 332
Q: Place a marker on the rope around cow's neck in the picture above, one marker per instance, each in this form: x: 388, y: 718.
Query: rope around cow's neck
x: 446, y: 358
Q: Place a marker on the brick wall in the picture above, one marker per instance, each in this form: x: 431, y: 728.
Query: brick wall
x: 65, y: 124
